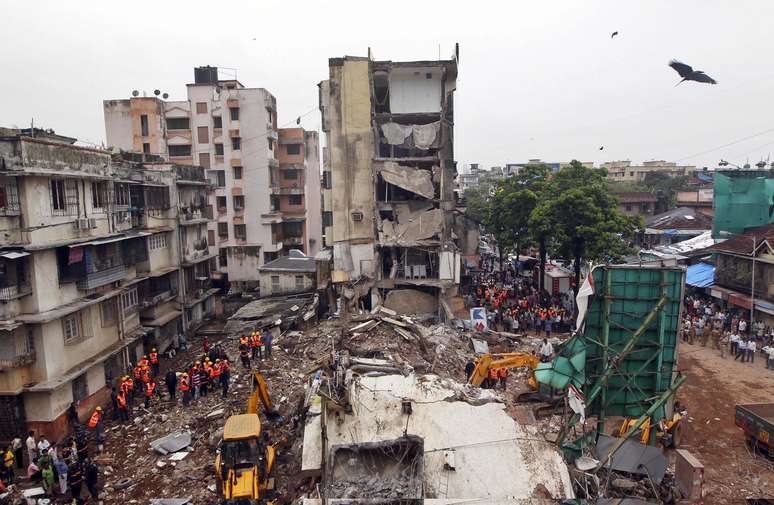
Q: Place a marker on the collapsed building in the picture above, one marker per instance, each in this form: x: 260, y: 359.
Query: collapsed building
x: 389, y: 182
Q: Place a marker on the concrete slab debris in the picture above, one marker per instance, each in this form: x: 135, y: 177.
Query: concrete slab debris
x: 179, y: 456
x: 411, y: 179
x: 173, y: 442
x: 633, y: 457
x: 172, y: 501
x: 419, y: 228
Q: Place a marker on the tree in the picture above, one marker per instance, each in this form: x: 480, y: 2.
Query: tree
x: 582, y: 218
x: 511, y: 206
x: 665, y: 187
x: 476, y: 204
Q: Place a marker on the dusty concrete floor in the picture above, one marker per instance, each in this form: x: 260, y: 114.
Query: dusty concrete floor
x: 714, y: 386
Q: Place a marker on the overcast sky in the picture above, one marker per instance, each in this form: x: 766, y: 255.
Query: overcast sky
x: 536, y: 79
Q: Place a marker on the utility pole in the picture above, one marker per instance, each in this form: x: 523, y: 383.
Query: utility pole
x: 752, y: 286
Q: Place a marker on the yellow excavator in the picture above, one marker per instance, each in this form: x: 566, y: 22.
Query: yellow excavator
x: 486, y: 362
x: 245, y: 458
x: 668, y: 431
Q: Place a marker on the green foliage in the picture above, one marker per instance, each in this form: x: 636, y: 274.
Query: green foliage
x: 581, y: 218
x: 477, y: 204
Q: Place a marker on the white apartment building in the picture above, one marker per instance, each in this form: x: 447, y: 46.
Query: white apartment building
x: 624, y: 171
x: 91, y: 273
x: 231, y: 131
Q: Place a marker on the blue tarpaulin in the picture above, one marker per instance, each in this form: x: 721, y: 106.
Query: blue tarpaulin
x: 700, y: 275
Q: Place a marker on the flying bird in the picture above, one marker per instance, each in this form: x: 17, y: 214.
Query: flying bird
x: 601, y: 147
x: 689, y: 74
x: 614, y: 34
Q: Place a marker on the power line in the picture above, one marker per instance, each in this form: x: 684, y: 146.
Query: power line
x: 727, y: 145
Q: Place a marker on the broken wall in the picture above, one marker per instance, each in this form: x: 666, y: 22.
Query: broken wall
x: 411, y: 301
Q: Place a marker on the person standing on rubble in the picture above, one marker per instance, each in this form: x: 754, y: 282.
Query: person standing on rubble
x: 225, y: 377
x: 154, y: 361
x: 470, y: 367
x: 123, y: 409
x: 75, y: 479
x: 502, y: 374
x: 185, y: 389
x: 267, y: 340
x: 196, y: 382
x: 546, y: 351
x: 96, y: 423
x: 150, y: 390
x: 244, y: 355
x: 170, y: 379
x: 92, y: 476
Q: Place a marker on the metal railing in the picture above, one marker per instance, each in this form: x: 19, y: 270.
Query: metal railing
x: 14, y: 291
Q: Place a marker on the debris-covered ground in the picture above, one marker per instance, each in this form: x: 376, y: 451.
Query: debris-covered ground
x: 142, y: 474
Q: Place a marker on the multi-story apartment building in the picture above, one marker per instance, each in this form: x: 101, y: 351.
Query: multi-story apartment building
x: 389, y: 178
x: 91, y: 273
x: 231, y: 131
x: 624, y: 171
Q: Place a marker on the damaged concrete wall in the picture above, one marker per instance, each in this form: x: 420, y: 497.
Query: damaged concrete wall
x: 411, y: 301
x: 412, y: 229
x: 351, y: 147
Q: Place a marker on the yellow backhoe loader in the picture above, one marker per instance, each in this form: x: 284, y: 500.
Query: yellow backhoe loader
x: 486, y: 362
x: 245, y: 458
x: 668, y: 431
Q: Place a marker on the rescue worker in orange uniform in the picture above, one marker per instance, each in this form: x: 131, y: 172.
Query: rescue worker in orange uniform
x: 144, y: 362
x: 491, y: 378
x: 127, y: 387
x: 502, y: 374
x: 123, y: 408
x: 243, y: 340
x: 185, y: 388
x: 205, y: 375
x: 225, y: 376
x: 154, y: 361
x: 95, y: 423
x: 244, y: 355
x: 150, y: 390
x: 256, y: 344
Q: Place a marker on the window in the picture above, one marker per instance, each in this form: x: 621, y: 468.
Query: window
x: 217, y: 122
x: 123, y: 198
x: 218, y: 149
x: 299, y: 282
x: 158, y: 241
x: 295, y: 199
x: 157, y: 198
x: 71, y: 327
x: 146, y: 148
x: 203, y: 134
x: 239, y: 202
x: 327, y: 218
x: 220, y: 178
x: 129, y: 300
x: 327, y: 179
x: 204, y: 160
x: 237, y: 172
x: 99, y: 196
x: 293, y: 148
x: 270, y: 116
x: 240, y: 231
x: 236, y: 144
x: 107, y: 312
x: 223, y: 230
x: 64, y: 197
x: 223, y: 256
x: 80, y: 388
x: 184, y: 150
x: 144, y: 125
x: 234, y: 112
x: 628, y: 208
x: 269, y: 256
x: 178, y: 123
x: 271, y: 144
x: 210, y: 236
x: 289, y: 175
x: 201, y: 107
x: 220, y: 203
x: 275, y: 283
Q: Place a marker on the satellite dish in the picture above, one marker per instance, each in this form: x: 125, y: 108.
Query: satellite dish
x: 165, y: 96
x: 157, y: 92
x: 135, y: 93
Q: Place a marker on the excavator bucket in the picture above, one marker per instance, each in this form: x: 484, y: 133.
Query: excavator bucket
x: 261, y: 393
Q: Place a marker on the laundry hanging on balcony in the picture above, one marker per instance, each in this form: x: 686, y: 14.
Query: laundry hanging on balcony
x: 75, y: 256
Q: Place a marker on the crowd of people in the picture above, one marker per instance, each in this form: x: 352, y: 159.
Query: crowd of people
x: 706, y: 323
x: 515, y: 303
x: 62, y: 470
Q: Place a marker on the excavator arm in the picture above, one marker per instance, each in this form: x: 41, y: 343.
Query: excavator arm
x: 261, y: 393
x: 505, y: 360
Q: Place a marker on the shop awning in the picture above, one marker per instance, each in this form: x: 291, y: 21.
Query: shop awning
x: 112, y: 239
x: 700, y: 275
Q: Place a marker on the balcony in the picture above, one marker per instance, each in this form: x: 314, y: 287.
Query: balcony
x: 275, y: 189
x: 196, y: 216
x: 16, y: 360
x: 273, y: 163
x: 14, y: 291
x: 291, y: 240
x: 102, y: 277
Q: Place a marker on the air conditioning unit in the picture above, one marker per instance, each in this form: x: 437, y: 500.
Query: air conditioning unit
x: 93, y: 222
x: 357, y: 216
x: 83, y: 224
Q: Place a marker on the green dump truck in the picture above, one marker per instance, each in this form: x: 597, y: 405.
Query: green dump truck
x: 757, y: 422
